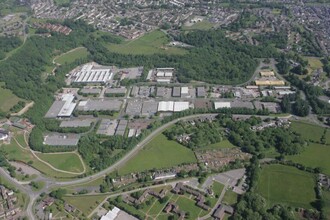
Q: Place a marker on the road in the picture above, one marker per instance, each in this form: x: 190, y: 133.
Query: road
x: 51, y: 183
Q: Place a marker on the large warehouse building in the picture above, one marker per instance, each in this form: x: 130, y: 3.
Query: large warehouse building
x: 90, y: 73
x: 62, y: 107
x: 170, y: 106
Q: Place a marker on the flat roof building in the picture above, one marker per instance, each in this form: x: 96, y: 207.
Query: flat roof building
x: 61, y: 139
x: 76, y: 123
x: 116, y: 91
x: 107, y: 127
x: 165, y: 106
x: 180, y: 106
x: 90, y: 91
x: 176, y: 92
x: 91, y: 73
x: 267, y: 73
x: 99, y: 105
x: 218, y: 105
x: 184, y: 90
x: 149, y: 108
x: 63, y: 107
x: 134, y: 107
x: 270, y: 82
x: 201, y: 92
x: 121, y: 128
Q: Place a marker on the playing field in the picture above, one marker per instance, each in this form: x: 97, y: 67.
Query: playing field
x: 159, y: 153
x: 7, y: 98
x: 315, y: 155
x: 150, y: 43
x: 86, y: 204
x: 308, y: 131
x: 73, y: 55
x: 63, y: 161
x: 286, y: 185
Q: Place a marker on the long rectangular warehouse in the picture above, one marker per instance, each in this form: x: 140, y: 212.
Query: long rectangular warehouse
x: 99, y: 105
x: 92, y: 74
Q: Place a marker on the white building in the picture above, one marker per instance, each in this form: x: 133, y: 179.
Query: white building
x: 166, y: 106
x: 180, y: 106
x: 218, y: 105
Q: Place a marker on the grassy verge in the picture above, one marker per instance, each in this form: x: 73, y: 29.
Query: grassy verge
x: 86, y: 204
x: 159, y: 153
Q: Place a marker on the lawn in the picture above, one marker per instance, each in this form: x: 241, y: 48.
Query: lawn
x: 286, y: 185
x: 230, y: 197
x: 315, y: 155
x: 73, y: 55
x: 85, y: 204
x: 150, y: 43
x: 314, y: 63
x: 203, y: 25
x: 220, y: 145
x: 159, y: 153
x: 16, y: 153
x: 63, y: 161
x: 189, y: 205
x: 7, y: 98
x: 308, y: 131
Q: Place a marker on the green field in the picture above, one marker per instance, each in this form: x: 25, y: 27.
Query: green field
x: 73, y: 55
x: 203, y: 25
x: 61, y: 2
x: 7, y: 98
x: 86, y: 204
x: 308, y: 131
x: 230, y: 197
x: 159, y: 153
x: 150, y: 43
x: 286, y: 185
x: 220, y: 145
x: 315, y: 155
x: 16, y: 153
x: 189, y: 205
x: 314, y: 63
x: 326, y: 196
x: 63, y: 161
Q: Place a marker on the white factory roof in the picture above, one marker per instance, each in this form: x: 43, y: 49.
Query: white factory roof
x: 167, y: 106
x: 164, y: 80
x: 112, y: 214
x: 180, y: 106
x: 89, y: 75
x: 184, y: 90
x: 222, y: 105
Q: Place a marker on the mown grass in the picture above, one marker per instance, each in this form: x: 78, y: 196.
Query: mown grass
x: 315, y: 155
x: 7, y: 98
x: 16, y: 153
x: 203, y: 25
x: 73, y: 55
x: 86, y: 204
x: 159, y: 153
x: 286, y: 185
x: 230, y: 197
x: 65, y: 161
x: 308, y: 131
x: 220, y: 145
x: 150, y: 43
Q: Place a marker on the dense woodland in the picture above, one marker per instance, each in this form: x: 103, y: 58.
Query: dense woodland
x: 8, y: 44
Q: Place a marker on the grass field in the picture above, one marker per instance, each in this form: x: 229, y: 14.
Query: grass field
x: 326, y: 195
x: 150, y: 43
x: 7, y: 98
x: 314, y: 63
x: 230, y: 197
x: 220, y: 145
x: 203, y: 25
x: 308, y: 131
x: 159, y: 153
x: 65, y: 161
x: 85, y: 204
x: 315, y: 155
x: 73, y: 55
x: 286, y: 185
x: 16, y: 153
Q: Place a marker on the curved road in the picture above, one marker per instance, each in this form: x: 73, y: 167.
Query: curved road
x: 50, y: 183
